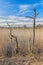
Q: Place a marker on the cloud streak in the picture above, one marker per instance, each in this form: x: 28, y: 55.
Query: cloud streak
x: 19, y: 21
x: 23, y: 9
x: 26, y: 8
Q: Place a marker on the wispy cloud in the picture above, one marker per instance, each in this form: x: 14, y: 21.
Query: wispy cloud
x: 19, y: 21
x: 26, y: 8
x: 42, y: 3
x: 14, y: 19
x: 39, y: 20
x: 39, y: 4
x: 23, y: 9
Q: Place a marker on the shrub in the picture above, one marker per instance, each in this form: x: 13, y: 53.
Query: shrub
x: 9, y: 50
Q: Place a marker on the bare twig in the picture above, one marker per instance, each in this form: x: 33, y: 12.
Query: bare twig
x: 12, y: 36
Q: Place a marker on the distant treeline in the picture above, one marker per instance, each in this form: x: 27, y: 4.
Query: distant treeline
x: 37, y: 26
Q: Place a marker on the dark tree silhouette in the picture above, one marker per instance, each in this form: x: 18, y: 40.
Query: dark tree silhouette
x: 11, y: 36
x: 34, y: 17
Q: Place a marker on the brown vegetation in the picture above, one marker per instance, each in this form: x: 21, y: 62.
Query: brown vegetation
x: 23, y: 35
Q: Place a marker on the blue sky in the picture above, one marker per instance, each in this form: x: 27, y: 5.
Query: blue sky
x: 20, y: 7
x: 9, y: 9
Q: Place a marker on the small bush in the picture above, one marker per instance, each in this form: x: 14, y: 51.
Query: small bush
x: 9, y: 50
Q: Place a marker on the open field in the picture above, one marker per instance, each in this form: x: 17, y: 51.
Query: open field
x: 23, y: 35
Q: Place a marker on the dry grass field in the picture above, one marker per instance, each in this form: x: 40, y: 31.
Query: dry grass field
x: 23, y: 35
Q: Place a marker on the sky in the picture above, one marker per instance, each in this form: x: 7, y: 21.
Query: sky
x: 16, y: 10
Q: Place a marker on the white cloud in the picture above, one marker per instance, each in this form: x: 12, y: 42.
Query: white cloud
x: 6, y: 5
x: 20, y: 20
x: 39, y: 19
x: 42, y: 3
x: 16, y: 18
x: 23, y: 9
x: 26, y: 8
x: 37, y: 4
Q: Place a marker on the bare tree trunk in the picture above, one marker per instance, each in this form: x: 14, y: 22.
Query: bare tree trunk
x: 33, y: 34
x: 12, y: 36
x: 17, y: 50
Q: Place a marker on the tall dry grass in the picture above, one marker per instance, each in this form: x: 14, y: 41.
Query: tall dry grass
x: 23, y: 35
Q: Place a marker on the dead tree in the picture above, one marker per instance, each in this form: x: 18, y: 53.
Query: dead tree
x: 11, y: 36
x: 34, y: 17
x: 16, y: 42
x: 34, y: 20
x: 34, y: 28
